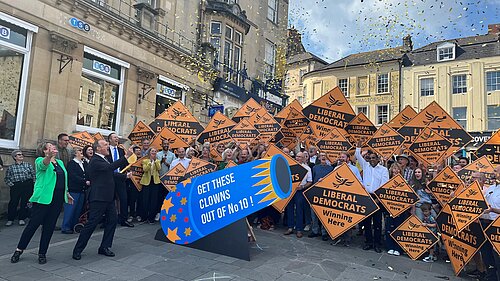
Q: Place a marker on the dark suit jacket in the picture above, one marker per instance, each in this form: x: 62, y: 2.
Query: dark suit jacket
x: 101, y: 177
x: 77, y: 177
x: 121, y: 153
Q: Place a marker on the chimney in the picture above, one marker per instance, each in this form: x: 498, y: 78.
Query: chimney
x: 494, y: 28
x: 407, y: 43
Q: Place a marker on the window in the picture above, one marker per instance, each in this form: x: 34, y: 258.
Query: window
x: 90, y: 96
x: 344, y: 86
x: 383, y: 83
x: 215, y: 27
x: 228, y: 56
x: 272, y: 10
x: 460, y: 115
x: 102, y: 80
x: 446, y: 52
x: 15, y: 49
x: 269, y: 59
x: 237, y: 63
x: 382, y: 114
x: 215, y: 41
x: 492, y: 81
x: 229, y: 32
x: 301, y: 73
x: 238, y: 36
x: 459, y: 84
x: 493, y: 117
x: 80, y: 94
x: 88, y: 120
x: 426, y: 87
x: 363, y: 109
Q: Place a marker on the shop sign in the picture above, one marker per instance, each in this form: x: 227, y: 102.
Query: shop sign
x: 76, y: 23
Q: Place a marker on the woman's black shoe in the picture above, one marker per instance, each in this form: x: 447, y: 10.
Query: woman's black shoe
x: 42, y: 259
x: 15, y: 256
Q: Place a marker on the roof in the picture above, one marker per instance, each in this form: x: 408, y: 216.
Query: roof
x: 304, y: 57
x: 473, y: 47
x: 382, y: 55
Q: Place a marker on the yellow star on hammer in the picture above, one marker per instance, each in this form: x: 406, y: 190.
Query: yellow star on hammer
x: 173, y: 188
x: 183, y: 201
x: 186, y: 182
x: 187, y: 231
x: 173, y: 218
x: 167, y: 204
x: 172, y: 235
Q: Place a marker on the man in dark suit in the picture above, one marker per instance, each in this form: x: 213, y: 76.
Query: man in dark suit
x: 101, y: 199
x: 116, y: 153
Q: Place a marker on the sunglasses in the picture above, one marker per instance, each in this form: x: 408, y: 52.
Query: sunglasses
x: 19, y: 154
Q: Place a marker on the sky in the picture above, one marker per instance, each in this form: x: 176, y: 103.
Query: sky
x: 332, y: 29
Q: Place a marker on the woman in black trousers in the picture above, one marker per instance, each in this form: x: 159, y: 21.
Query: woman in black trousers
x: 49, y: 194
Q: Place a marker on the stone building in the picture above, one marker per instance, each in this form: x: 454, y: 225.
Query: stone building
x: 299, y: 62
x: 462, y: 75
x: 103, y: 65
x: 369, y: 80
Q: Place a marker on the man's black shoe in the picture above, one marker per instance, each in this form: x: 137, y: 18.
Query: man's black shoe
x: 127, y: 224
x: 367, y: 247
x: 15, y: 257
x: 324, y: 237
x: 77, y: 256
x: 106, y: 251
x: 42, y: 259
x: 377, y: 249
x: 312, y: 235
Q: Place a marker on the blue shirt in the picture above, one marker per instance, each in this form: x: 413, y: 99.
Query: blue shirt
x: 320, y: 171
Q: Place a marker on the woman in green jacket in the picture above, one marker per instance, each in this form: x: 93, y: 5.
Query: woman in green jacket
x: 151, y: 185
x: 49, y: 194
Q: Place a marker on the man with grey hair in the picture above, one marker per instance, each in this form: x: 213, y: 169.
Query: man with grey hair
x: 20, y: 177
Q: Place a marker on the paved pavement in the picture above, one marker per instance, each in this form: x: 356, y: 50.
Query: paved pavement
x: 273, y: 257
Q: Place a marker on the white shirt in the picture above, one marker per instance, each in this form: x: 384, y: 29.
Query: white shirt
x: 104, y: 157
x: 308, y: 177
x: 112, y: 150
x: 79, y: 162
x: 184, y: 161
x: 313, y: 158
x: 492, y: 196
x: 373, y: 177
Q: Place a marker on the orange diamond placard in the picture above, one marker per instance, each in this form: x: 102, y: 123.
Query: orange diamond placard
x: 296, y: 121
x: 360, y: 128
x: 491, y: 149
x: 435, y: 117
x: 137, y: 172
x: 179, y: 120
x: 217, y: 130
x: 171, y: 178
x: 403, y: 117
x: 333, y: 144
x: 332, y: 110
x: 198, y: 167
x: 444, y: 184
x: 283, y: 114
x: 298, y: 173
x: 386, y: 141
x: 141, y: 132
x: 243, y: 132
x: 413, y: 237
x: 492, y: 233
x: 340, y: 201
x: 468, y: 205
x: 249, y: 108
x: 267, y: 126
x: 166, y: 134
x: 430, y: 147
x: 482, y: 165
x: 396, y: 195
x: 81, y: 139
x: 460, y: 246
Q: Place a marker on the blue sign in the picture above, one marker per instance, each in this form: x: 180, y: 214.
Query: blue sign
x: 76, y: 23
x: 202, y: 205
x: 214, y: 108
x: 101, y: 67
x: 4, y: 32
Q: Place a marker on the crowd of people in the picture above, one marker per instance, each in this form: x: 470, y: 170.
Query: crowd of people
x: 92, y: 181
